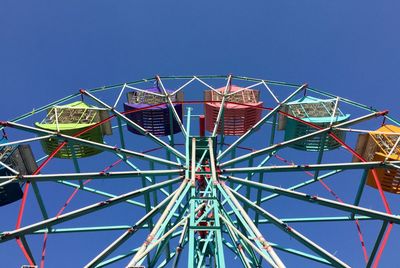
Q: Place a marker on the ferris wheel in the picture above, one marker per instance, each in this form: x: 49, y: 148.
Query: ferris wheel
x: 199, y: 171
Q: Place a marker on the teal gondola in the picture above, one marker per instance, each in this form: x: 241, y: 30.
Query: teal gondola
x: 316, y: 111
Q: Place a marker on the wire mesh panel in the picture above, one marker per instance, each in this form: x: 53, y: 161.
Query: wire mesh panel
x: 71, y: 115
x: 158, y: 120
x: 316, y: 111
x: 240, y: 113
x: 377, y: 146
x: 73, y: 119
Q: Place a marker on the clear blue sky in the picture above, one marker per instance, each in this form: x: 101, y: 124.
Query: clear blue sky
x: 49, y: 49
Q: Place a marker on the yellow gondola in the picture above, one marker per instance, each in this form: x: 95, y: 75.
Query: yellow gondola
x: 377, y: 146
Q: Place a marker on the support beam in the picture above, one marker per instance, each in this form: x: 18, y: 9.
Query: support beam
x: 124, y: 256
x: 377, y: 244
x: 11, y: 143
x: 233, y: 228
x: 27, y: 248
x: 179, y: 248
x: 302, y: 184
x: 127, y: 234
x: 247, y: 220
x: 319, y: 200
x: 162, y: 221
x: 91, y: 175
x: 293, y: 233
x: 8, y: 235
x: 98, y: 192
x: 171, y: 107
x: 222, y: 106
x: 88, y: 143
x: 307, y: 136
x: 298, y: 168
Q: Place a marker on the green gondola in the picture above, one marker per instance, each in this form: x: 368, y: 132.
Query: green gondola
x: 71, y: 119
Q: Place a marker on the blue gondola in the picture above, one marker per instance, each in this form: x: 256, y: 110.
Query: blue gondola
x: 19, y: 158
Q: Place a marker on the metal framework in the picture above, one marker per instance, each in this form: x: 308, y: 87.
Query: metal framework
x: 203, y: 200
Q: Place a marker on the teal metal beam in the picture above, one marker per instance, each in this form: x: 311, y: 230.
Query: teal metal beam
x: 247, y: 222
x: 302, y: 184
x: 40, y: 200
x: 98, y: 192
x: 238, y: 248
x: 131, y: 230
x: 148, y: 178
x: 300, y: 254
x: 162, y: 221
x: 321, y: 201
x: 293, y: 233
x: 92, y: 175
x: 320, y: 219
x: 84, y: 229
x: 313, y: 167
x: 181, y: 242
x: 323, y: 93
x: 27, y: 248
x: 257, y: 249
x: 88, y: 143
x: 164, y: 244
x: 8, y: 235
x: 377, y: 243
x: 151, y: 79
x: 293, y: 252
x: 360, y: 189
x: 258, y: 198
x: 140, y: 255
x: 125, y: 255
x: 219, y: 258
x: 281, y: 145
x: 265, y: 160
x: 294, y: 187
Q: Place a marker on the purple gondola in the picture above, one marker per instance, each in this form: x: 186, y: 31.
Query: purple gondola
x: 158, y: 120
